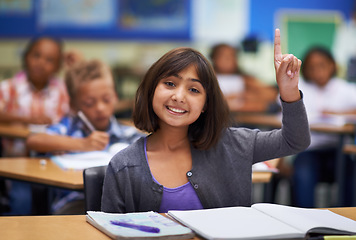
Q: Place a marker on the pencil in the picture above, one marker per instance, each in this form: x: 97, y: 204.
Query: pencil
x: 85, y: 120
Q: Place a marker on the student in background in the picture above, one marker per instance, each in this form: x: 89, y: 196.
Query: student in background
x: 91, y: 89
x: 242, y: 92
x: 192, y: 159
x: 34, y: 95
x: 324, y: 94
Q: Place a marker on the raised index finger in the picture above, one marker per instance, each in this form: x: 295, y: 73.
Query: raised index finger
x: 277, y: 44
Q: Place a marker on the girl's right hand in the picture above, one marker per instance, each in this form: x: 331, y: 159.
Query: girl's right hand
x: 97, y: 140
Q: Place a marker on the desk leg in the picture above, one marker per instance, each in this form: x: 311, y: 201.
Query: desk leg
x: 40, y: 200
x: 340, y: 172
x: 354, y: 181
x: 268, y: 192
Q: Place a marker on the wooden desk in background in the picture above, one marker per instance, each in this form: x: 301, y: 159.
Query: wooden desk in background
x: 75, y: 226
x: 350, y: 148
x: 274, y: 121
x: 14, y: 131
x: 22, y: 131
x: 31, y: 170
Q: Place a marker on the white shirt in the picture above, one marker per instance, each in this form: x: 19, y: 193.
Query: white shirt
x: 231, y: 84
x: 337, y: 96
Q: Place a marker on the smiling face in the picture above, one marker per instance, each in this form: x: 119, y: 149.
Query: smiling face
x: 97, y: 99
x: 179, y: 100
x: 42, y: 62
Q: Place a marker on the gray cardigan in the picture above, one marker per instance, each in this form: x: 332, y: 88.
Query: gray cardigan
x: 221, y: 176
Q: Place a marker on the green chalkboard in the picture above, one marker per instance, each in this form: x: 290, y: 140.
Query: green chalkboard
x: 302, y: 31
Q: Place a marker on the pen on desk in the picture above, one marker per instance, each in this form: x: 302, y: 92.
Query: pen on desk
x: 136, y: 226
x: 86, y: 121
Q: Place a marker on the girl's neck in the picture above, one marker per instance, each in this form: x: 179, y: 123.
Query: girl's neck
x: 169, y: 139
x: 37, y: 86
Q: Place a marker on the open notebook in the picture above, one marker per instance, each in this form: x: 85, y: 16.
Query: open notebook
x: 80, y: 161
x: 263, y: 221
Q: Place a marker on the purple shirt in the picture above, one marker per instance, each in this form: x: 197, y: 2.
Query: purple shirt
x: 180, y: 198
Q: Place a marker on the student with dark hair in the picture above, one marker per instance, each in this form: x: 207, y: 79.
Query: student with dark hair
x: 33, y: 96
x: 324, y: 94
x: 192, y: 159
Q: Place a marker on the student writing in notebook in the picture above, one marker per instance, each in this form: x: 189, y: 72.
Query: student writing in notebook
x: 192, y: 159
x: 92, y: 94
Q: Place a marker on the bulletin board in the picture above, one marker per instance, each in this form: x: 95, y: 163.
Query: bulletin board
x: 302, y: 30
x: 101, y: 19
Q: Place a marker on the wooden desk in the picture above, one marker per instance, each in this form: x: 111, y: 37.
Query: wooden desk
x: 74, y: 226
x: 265, y: 177
x: 31, y: 170
x: 264, y: 120
x: 22, y: 131
x: 14, y: 131
x: 350, y: 149
x: 274, y: 121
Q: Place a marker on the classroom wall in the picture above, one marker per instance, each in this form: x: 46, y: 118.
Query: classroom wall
x: 262, y: 13
x: 137, y: 55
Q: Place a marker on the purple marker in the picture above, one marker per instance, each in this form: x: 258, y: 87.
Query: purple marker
x: 137, y: 227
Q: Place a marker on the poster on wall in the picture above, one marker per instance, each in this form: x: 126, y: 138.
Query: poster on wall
x: 64, y: 13
x: 102, y: 19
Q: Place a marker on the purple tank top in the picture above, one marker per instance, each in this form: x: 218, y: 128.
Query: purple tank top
x: 180, y: 198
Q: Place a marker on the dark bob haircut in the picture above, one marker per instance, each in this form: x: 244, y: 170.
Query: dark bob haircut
x: 34, y: 41
x: 316, y: 50
x: 205, y: 132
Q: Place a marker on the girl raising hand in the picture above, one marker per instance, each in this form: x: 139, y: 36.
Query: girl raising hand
x: 192, y: 159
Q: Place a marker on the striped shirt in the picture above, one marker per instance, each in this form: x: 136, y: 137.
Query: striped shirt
x: 19, y: 97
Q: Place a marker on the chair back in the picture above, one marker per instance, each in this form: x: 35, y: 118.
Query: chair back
x: 93, y: 187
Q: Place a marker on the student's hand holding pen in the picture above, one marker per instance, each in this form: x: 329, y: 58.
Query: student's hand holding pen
x: 96, y: 141
x: 287, y: 69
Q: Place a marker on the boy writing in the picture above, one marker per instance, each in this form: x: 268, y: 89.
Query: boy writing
x: 91, y: 89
